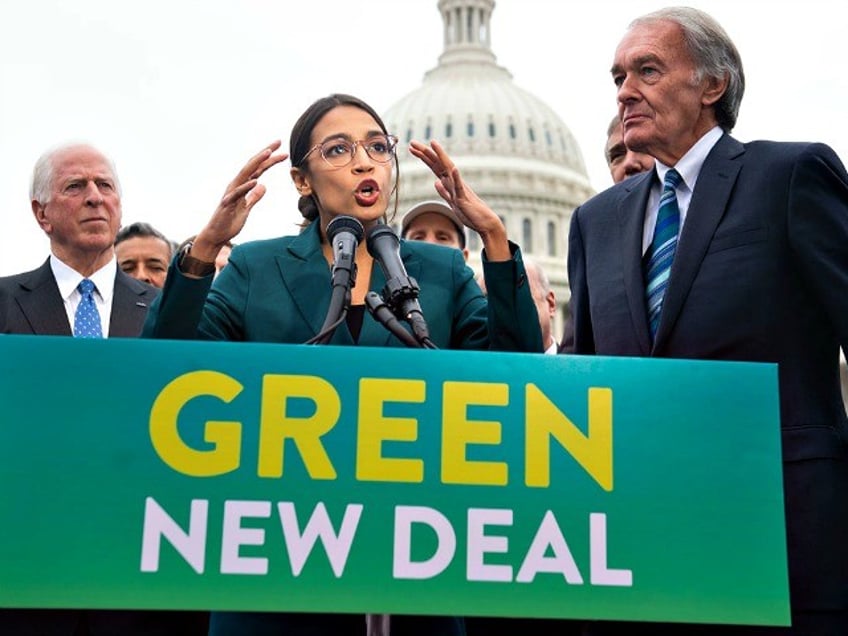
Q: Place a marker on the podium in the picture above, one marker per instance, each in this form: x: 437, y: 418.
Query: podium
x: 261, y: 477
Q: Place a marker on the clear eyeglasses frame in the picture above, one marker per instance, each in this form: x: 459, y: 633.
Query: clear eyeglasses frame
x: 339, y: 152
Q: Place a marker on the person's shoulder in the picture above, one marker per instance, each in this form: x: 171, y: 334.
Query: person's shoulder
x: 789, y: 149
x: 135, y: 285
x: 264, y: 245
x: 618, y: 191
x: 25, y: 279
x: 263, y: 248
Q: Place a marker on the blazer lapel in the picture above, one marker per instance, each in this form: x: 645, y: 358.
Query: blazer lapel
x: 129, y: 306
x: 707, y: 207
x: 632, y: 220
x: 42, y: 304
x: 306, y: 275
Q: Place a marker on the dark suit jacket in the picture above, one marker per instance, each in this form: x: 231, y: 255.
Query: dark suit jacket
x: 30, y: 303
x: 760, y: 274
x: 278, y: 290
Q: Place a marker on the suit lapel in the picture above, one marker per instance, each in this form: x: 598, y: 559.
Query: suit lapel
x: 306, y: 275
x: 129, y: 306
x: 706, y: 209
x: 632, y: 221
x: 310, y: 292
x: 42, y: 304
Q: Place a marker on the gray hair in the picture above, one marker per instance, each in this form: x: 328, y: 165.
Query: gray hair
x: 41, y: 185
x: 714, y: 55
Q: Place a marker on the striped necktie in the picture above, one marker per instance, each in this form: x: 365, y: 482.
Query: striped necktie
x: 661, y: 252
x: 87, y: 318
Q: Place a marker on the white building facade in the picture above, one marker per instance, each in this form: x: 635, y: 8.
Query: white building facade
x: 512, y: 148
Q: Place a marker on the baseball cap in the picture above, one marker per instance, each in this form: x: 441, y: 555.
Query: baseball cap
x: 438, y: 207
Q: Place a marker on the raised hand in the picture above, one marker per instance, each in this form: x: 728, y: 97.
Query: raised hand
x: 470, y: 208
x: 241, y: 195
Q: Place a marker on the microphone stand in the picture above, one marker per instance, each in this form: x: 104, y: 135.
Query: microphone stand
x: 339, y: 303
x: 344, y: 233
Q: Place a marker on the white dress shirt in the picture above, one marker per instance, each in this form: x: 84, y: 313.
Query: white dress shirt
x: 68, y: 279
x: 689, y: 168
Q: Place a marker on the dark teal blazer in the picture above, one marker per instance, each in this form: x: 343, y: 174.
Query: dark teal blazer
x: 279, y: 290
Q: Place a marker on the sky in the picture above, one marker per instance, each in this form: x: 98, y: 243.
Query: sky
x: 181, y: 93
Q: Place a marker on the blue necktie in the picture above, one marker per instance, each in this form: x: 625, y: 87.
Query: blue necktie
x: 661, y: 252
x: 87, y: 318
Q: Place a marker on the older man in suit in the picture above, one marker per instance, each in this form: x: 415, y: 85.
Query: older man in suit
x: 728, y: 251
x: 80, y: 291
x: 76, y: 200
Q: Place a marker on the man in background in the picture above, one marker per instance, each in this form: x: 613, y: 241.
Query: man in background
x: 621, y: 160
x: 434, y: 222
x: 545, y: 299
x: 76, y: 200
x: 144, y: 253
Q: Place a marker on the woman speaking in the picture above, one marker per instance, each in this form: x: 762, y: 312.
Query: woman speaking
x: 343, y: 164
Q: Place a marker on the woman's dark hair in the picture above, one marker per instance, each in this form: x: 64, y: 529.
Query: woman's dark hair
x: 300, y: 143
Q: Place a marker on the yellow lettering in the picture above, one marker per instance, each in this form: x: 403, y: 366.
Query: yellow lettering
x: 374, y: 428
x: 225, y: 437
x: 458, y: 432
x: 593, y: 452
x: 275, y: 426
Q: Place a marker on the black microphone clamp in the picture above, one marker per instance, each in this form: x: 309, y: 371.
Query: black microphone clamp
x: 398, y: 291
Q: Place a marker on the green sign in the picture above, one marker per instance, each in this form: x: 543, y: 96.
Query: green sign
x: 190, y: 475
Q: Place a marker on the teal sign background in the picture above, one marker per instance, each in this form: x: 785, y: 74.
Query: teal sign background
x: 696, y: 511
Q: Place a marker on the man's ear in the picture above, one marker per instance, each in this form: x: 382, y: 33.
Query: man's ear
x: 301, y: 182
x: 716, y: 86
x: 41, y: 217
x: 550, y: 299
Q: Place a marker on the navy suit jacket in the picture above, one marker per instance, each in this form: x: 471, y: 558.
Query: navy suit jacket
x: 30, y: 303
x: 760, y: 274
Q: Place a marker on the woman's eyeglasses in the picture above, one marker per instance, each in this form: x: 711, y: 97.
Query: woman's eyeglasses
x: 340, y: 152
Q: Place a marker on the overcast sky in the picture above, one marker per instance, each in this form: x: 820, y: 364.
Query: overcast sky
x: 181, y: 93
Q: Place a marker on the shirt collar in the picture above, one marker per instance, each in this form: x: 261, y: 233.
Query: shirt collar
x: 68, y: 278
x: 690, y: 164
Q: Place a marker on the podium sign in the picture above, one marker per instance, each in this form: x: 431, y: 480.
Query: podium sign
x: 240, y: 476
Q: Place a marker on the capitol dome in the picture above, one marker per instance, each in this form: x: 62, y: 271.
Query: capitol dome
x: 510, y: 146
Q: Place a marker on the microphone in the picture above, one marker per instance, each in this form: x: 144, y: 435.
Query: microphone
x: 401, y: 290
x: 344, y: 233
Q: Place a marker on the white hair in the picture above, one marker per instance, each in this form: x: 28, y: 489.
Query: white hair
x: 41, y: 184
